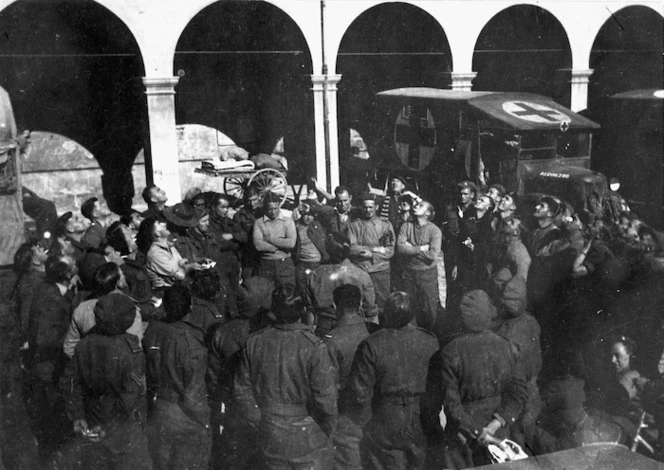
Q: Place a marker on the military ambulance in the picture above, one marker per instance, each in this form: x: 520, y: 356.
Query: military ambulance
x: 526, y: 142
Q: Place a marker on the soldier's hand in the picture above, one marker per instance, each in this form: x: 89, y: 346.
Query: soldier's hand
x: 424, y: 248
x: 227, y: 236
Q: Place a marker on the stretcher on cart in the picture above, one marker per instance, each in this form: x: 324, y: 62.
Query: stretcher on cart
x: 237, y: 176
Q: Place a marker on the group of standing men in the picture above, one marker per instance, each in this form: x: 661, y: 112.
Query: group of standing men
x: 323, y: 355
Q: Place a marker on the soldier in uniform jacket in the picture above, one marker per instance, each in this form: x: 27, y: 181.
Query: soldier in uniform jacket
x: 387, y: 381
x: 286, y: 387
x: 483, y: 385
x: 177, y: 360
x: 104, y: 387
x: 343, y: 341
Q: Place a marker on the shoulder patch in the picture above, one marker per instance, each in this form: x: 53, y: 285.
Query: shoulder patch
x: 307, y: 333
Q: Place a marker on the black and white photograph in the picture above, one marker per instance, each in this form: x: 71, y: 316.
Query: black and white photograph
x: 331, y: 234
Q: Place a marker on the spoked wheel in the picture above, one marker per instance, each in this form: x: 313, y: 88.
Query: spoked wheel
x: 270, y: 180
x: 234, y: 186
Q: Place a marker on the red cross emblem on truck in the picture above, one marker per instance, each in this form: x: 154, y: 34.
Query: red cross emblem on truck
x: 415, y: 137
x: 535, y: 112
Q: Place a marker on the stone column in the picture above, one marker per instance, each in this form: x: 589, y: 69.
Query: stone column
x: 319, y: 129
x: 579, y: 82
x: 323, y: 168
x: 332, y: 82
x: 463, y: 80
x: 163, y: 141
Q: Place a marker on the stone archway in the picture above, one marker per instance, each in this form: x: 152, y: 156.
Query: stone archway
x: 74, y: 68
x: 627, y: 54
x: 388, y: 46
x: 524, y: 48
x: 245, y: 69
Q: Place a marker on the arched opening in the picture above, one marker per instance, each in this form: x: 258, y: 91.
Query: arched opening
x: 524, y: 48
x: 388, y: 46
x: 627, y: 54
x: 74, y: 68
x: 245, y: 70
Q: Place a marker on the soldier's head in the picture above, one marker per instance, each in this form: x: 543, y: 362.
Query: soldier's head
x: 424, y: 208
x: 177, y: 303
x: 153, y: 194
x: 287, y: 304
x: 547, y: 208
x: 206, y: 284
x: 343, y: 199
x: 467, y: 192
x: 60, y: 269
x: 496, y: 192
x: 91, y: 209
x: 346, y: 297
x: 272, y: 205
x: 369, y: 205
x: 507, y: 205
x: 107, y: 278
x: 398, y: 312
x: 397, y: 184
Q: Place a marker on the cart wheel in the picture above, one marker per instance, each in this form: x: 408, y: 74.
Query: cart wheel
x: 234, y: 186
x: 271, y: 180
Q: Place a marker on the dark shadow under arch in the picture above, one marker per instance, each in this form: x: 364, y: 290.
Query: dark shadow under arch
x: 524, y: 48
x: 74, y: 68
x: 245, y: 70
x: 391, y: 45
x: 627, y: 54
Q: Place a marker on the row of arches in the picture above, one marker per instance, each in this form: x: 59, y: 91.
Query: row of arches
x: 76, y: 68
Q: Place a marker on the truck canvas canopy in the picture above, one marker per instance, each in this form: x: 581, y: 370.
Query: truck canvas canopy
x: 509, y: 111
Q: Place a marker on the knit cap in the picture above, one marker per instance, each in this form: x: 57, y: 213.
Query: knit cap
x: 477, y: 311
x: 514, y: 297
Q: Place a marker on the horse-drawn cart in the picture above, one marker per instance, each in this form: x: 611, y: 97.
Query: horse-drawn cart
x: 236, y: 181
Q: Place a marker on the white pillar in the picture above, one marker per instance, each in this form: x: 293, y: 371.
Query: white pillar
x: 323, y: 168
x: 332, y: 82
x: 579, y: 82
x: 319, y: 129
x: 163, y: 140
x: 463, y: 80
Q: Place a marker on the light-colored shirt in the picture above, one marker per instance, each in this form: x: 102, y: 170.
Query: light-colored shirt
x: 163, y: 264
x: 274, y: 239
x: 411, y: 238
x: 367, y: 234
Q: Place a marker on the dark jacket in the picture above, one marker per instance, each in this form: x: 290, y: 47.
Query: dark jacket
x: 387, y: 379
x: 139, y: 286
x: 343, y: 341
x: 177, y: 362
x: 105, y: 380
x: 246, y: 219
x: 47, y: 325
x: 481, y: 380
x: 331, y: 219
x: 287, y: 381
x: 318, y: 235
x: 25, y: 293
x: 204, y: 314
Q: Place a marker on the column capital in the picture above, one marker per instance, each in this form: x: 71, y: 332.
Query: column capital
x: 581, y: 75
x: 160, y: 86
x: 318, y: 80
x: 463, y: 80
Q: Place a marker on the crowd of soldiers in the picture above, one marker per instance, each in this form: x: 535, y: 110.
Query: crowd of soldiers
x: 355, y: 331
